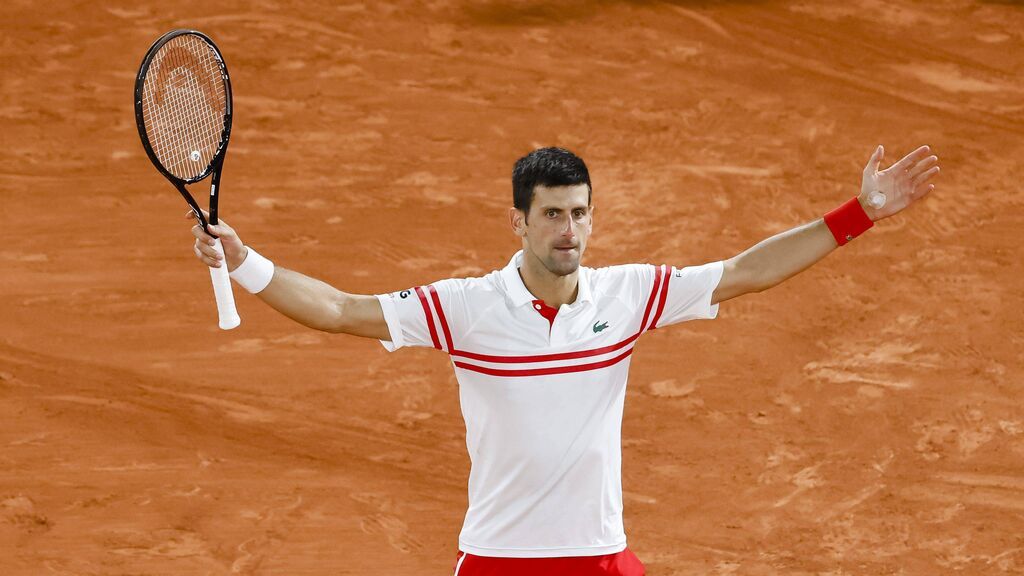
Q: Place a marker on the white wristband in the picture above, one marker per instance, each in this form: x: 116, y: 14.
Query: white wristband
x: 254, y: 273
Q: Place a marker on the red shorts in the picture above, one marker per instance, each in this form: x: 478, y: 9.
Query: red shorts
x: 624, y: 563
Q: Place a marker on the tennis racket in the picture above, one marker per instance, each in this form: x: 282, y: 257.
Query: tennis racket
x: 183, y: 111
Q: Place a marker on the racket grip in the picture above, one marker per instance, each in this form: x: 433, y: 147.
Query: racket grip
x: 222, y: 291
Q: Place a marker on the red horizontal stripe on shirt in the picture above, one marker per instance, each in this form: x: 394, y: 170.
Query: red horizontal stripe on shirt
x: 545, y: 357
x: 545, y: 371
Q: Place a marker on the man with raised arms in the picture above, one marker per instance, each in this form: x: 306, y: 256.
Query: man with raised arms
x: 541, y: 349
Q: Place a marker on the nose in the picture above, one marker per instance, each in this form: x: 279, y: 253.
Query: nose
x: 569, y: 229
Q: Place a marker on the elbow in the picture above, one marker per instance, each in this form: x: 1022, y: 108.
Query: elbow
x: 337, y: 315
x: 740, y: 278
x: 755, y: 285
x: 762, y: 284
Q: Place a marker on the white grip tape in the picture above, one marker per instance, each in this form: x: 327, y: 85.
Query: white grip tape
x: 254, y: 273
x: 222, y: 291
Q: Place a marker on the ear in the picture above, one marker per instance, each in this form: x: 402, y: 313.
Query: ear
x: 517, y: 219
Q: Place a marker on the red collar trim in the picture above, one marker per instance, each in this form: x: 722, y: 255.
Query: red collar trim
x: 546, y: 311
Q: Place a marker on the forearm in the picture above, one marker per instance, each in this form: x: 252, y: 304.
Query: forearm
x: 785, y: 255
x: 306, y: 300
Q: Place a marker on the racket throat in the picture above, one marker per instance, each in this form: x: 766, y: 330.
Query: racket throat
x: 215, y: 185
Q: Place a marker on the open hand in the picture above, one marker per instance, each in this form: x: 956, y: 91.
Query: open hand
x: 903, y: 183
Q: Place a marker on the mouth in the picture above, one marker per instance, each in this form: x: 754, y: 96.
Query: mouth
x: 565, y: 248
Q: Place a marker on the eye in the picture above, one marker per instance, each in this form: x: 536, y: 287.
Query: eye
x: 580, y: 213
x: 552, y: 213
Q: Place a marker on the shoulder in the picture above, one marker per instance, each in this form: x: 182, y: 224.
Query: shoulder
x: 620, y: 271
x: 474, y: 287
x: 627, y: 282
x: 621, y: 276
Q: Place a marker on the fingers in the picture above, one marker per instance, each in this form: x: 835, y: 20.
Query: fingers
x: 922, y: 191
x: 217, y: 231
x: 919, y: 168
x: 191, y: 215
x: 207, y: 255
x: 203, y: 239
x: 911, y: 159
x: 875, y: 160
x: 923, y: 178
x: 203, y: 247
x: 202, y: 235
x: 211, y: 232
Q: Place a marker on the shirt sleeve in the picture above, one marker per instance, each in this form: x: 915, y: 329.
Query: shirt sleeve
x: 687, y: 295
x: 416, y: 317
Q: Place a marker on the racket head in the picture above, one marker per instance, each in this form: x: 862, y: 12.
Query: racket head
x: 183, y: 106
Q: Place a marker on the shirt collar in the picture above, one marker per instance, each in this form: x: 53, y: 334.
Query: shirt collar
x: 520, y: 295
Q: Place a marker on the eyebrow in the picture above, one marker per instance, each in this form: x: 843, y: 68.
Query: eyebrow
x: 546, y: 208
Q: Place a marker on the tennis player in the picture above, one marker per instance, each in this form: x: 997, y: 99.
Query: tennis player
x: 541, y: 350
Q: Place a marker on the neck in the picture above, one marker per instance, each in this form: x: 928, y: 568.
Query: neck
x: 554, y: 290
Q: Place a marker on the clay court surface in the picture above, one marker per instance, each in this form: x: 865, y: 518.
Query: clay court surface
x: 864, y: 418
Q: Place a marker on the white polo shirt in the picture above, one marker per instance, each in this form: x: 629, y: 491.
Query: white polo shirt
x: 543, y: 402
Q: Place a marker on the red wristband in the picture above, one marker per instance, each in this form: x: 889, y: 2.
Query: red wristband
x: 848, y: 221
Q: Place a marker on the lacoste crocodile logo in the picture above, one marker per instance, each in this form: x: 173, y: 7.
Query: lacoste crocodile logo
x: 598, y: 327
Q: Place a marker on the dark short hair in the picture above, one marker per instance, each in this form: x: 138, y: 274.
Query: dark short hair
x: 546, y: 167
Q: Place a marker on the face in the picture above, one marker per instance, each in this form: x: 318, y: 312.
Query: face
x: 558, y: 226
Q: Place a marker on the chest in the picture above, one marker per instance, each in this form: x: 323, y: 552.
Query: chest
x: 525, y: 329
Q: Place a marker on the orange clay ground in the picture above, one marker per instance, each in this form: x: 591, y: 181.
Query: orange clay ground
x: 864, y: 418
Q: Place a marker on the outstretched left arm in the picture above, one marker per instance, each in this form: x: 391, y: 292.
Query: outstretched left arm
x: 787, y: 254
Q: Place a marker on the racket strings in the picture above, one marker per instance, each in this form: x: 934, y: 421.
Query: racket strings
x: 184, y: 106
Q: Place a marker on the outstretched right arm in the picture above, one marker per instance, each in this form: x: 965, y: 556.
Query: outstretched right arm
x: 306, y: 300
x: 319, y: 305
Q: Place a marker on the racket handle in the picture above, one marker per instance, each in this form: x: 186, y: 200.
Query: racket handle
x: 222, y: 291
